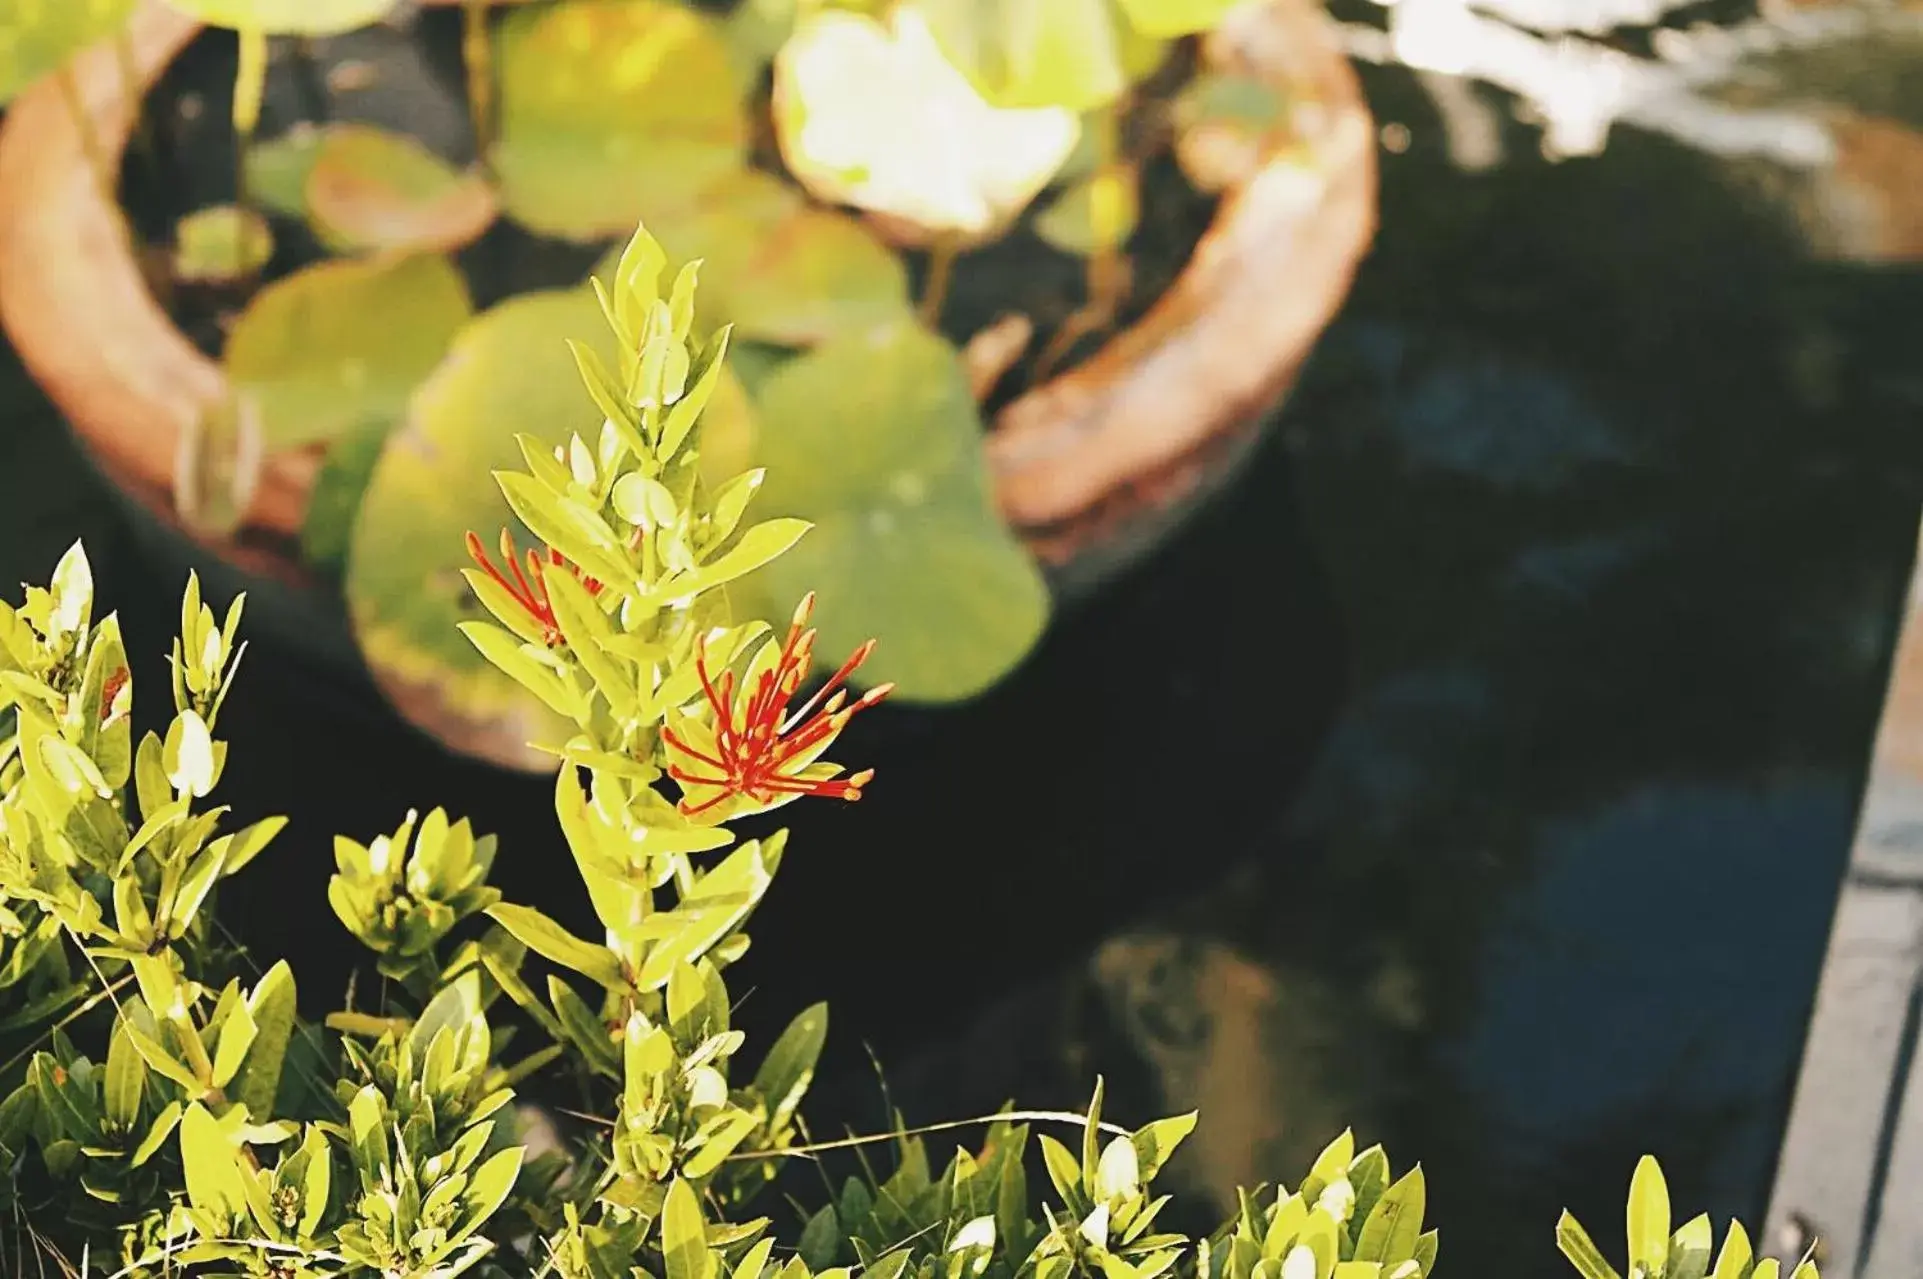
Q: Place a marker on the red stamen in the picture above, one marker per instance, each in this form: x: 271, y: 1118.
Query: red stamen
x: 759, y: 741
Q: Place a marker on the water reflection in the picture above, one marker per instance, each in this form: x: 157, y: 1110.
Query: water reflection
x: 1616, y: 482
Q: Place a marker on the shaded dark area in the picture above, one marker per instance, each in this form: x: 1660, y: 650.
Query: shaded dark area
x: 1477, y: 770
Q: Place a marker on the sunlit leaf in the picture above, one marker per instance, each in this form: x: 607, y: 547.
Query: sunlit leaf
x: 876, y: 439
x: 780, y: 270
x: 1067, y: 53
x: 37, y: 36
x: 509, y: 371
x: 368, y: 188
x: 277, y: 169
x: 287, y: 17
x: 336, y: 498
x: 1096, y: 215
x: 1168, y: 18
x: 612, y: 111
x: 220, y: 243
x: 339, y: 344
x: 875, y: 116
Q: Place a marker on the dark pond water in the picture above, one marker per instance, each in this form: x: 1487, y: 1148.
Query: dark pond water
x: 1478, y: 771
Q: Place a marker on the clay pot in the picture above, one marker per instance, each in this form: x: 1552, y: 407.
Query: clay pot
x: 1089, y: 468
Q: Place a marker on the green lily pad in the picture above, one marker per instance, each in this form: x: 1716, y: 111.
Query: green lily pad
x: 872, y: 114
x: 219, y: 244
x: 277, y: 169
x: 509, y: 371
x: 337, y: 343
x: 778, y: 269
x: 1170, y: 18
x: 367, y: 188
x: 286, y: 17
x: 37, y: 36
x: 336, y: 499
x: 1096, y: 215
x: 1017, y: 53
x: 613, y: 112
x: 876, y: 439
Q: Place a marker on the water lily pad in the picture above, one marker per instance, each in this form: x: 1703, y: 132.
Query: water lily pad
x: 221, y: 243
x: 336, y: 498
x: 874, y: 116
x: 37, y: 36
x: 286, y: 17
x: 876, y: 439
x: 1096, y: 215
x: 337, y: 343
x: 277, y: 169
x: 368, y: 188
x: 1170, y: 18
x: 780, y: 270
x: 509, y: 371
x: 1017, y: 53
x: 611, y: 112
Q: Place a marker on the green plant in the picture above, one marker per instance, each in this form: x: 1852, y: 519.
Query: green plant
x: 589, y: 115
x: 167, y: 1111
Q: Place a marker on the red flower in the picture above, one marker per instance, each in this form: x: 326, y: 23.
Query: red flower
x: 759, y: 749
x: 527, y: 589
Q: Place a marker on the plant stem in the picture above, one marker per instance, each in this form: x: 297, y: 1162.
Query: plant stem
x: 934, y: 290
x: 250, y: 83
x: 477, y: 54
x: 83, y: 123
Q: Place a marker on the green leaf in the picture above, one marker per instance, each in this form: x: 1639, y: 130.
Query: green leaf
x: 287, y: 17
x: 126, y: 1078
x: 369, y: 189
x: 1733, y: 1262
x: 508, y: 371
x: 612, y: 113
x: 1582, y: 1252
x: 337, y: 347
x: 877, y: 442
x: 789, y: 1067
x: 820, y: 1242
x: 230, y: 1049
x: 1395, y: 1223
x: 1648, y: 1220
x: 712, y: 909
x: 488, y: 1188
x: 871, y: 114
x: 1096, y: 215
x: 219, y: 244
x: 1170, y: 18
x: 684, y: 1242
x: 1064, y: 1170
x: 1018, y: 54
x: 781, y: 270
x: 1157, y: 1141
x: 271, y: 1004
x: 545, y: 937
x: 212, y: 1166
x: 1689, y: 1249
x: 277, y: 169
x: 454, y: 1006
x: 38, y: 36
x: 157, y: 1133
